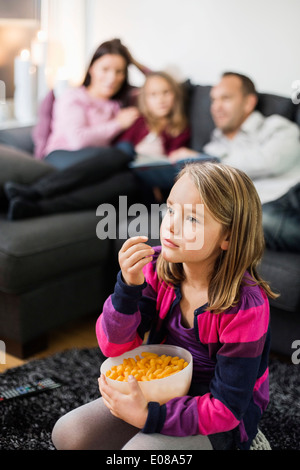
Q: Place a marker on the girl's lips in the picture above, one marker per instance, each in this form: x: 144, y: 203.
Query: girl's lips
x: 169, y: 243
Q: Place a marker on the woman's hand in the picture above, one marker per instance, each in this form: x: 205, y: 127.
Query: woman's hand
x: 132, y: 408
x: 127, y: 116
x: 134, y: 62
x: 133, y: 256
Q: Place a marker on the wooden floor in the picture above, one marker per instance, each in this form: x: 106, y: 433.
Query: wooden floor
x: 80, y: 334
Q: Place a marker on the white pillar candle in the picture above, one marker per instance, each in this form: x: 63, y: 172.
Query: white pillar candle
x: 25, y: 88
x: 39, y: 48
x: 39, y: 52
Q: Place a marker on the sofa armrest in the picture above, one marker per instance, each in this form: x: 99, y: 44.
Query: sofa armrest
x: 20, y: 138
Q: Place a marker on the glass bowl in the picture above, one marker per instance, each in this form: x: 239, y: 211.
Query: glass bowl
x: 159, y: 390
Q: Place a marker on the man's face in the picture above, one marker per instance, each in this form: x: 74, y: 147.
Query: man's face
x: 229, y: 105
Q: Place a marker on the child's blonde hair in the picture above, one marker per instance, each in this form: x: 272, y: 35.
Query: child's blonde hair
x: 177, y: 120
x: 231, y: 198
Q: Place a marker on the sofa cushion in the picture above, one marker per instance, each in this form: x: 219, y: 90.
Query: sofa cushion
x: 19, y: 166
x: 36, y: 250
x: 269, y: 104
x: 298, y: 115
x: 282, y: 271
x: 201, y: 123
x: 19, y: 138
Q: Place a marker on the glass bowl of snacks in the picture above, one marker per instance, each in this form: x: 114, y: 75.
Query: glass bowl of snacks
x: 163, y: 371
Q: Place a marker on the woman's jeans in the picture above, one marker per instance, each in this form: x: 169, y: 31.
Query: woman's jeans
x: 62, y: 159
x: 98, y: 178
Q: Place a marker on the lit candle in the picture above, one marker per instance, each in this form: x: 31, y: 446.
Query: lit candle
x: 25, y: 88
x: 39, y: 48
x: 25, y: 55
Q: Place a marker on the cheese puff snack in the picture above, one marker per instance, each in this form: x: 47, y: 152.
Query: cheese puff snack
x: 150, y: 366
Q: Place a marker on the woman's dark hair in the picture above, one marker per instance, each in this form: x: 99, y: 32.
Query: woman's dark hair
x: 111, y: 47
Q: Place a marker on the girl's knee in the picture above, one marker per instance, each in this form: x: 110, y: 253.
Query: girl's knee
x: 80, y: 428
x: 59, y: 433
x: 65, y: 435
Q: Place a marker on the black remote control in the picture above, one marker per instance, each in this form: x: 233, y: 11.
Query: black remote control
x: 28, y: 389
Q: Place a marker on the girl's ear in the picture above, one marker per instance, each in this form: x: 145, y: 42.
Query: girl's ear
x: 225, y: 242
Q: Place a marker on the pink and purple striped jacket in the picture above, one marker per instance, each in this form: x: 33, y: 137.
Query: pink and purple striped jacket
x: 237, y: 340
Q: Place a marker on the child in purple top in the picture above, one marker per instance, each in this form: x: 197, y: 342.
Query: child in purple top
x: 199, y: 290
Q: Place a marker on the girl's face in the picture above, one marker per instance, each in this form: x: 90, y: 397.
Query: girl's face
x: 107, y: 75
x: 159, y: 97
x: 189, y: 233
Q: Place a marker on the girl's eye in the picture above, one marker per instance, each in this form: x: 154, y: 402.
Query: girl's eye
x: 170, y: 210
x: 192, y: 219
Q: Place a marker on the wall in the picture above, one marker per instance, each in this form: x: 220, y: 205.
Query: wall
x: 25, y: 9
x: 19, y: 22
x: 64, y: 23
x: 199, y: 39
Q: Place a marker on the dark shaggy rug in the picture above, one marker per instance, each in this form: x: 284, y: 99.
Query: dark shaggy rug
x: 27, y: 421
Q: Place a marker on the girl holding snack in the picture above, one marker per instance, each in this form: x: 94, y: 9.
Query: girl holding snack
x: 160, y: 128
x: 199, y: 290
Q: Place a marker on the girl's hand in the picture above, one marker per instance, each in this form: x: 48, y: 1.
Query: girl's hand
x: 127, y: 116
x: 132, y: 408
x: 133, y: 256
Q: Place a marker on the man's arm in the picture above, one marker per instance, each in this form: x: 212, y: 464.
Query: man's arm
x: 272, y: 150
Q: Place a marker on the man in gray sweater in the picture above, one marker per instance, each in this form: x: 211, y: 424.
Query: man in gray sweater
x: 266, y: 148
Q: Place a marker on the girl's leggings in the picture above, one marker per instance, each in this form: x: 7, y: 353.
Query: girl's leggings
x: 93, y: 427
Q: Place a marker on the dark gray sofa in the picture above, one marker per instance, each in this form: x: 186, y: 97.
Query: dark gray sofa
x: 54, y: 269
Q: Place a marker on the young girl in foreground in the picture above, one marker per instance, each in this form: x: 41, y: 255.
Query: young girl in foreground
x: 200, y: 290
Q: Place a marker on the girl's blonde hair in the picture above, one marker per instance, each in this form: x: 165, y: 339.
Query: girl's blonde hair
x: 230, y: 196
x: 177, y: 120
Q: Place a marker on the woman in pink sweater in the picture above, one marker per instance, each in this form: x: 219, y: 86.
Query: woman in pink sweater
x: 91, y: 115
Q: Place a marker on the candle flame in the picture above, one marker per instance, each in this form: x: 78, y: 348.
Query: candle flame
x: 25, y: 54
x: 41, y: 36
